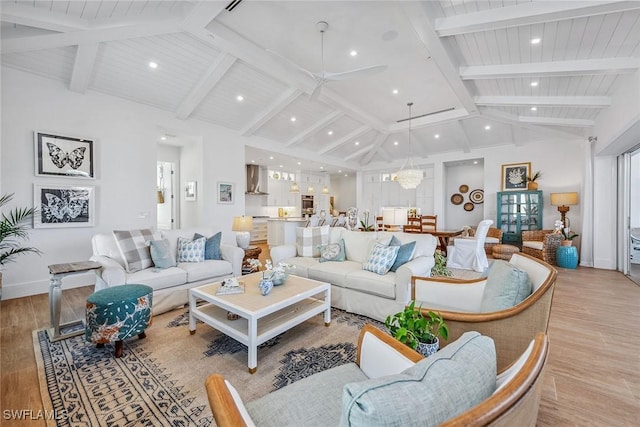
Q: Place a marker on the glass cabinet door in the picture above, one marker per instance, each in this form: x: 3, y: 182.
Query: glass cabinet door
x: 518, y: 211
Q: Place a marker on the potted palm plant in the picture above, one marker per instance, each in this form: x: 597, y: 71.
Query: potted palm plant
x: 13, y: 231
x: 421, y: 333
x: 532, y: 184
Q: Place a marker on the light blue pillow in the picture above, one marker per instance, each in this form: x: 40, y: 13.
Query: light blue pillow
x: 161, y: 254
x: 381, y: 258
x: 437, y: 388
x: 191, y: 250
x: 212, y: 246
x: 332, y: 252
x: 506, y: 286
x: 404, y: 253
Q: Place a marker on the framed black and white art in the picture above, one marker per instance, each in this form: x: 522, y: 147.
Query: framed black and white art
x: 63, y: 156
x: 514, y: 176
x: 60, y: 206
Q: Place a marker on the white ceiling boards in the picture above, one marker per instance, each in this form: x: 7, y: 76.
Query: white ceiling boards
x: 531, y: 70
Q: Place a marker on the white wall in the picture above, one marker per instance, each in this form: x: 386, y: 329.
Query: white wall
x: 473, y: 177
x: 344, y: 190
x: 125, y: 136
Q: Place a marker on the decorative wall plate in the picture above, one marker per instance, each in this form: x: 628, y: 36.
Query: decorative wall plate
x: 463, y: 188
x: 468, y: 206
x: 477, y: 196
x: 456, y: 199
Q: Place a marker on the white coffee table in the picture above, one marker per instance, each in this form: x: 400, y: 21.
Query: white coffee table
x: 261, y: 317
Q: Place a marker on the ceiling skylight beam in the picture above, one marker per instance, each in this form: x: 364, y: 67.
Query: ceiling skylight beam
x: 202, y: 14
x: 581, y: 67
x: 511, y: 119
x: 40, y: 18
x: 554, y: 121
x: 271, y: 111
x: 83, y: 67
x: 350, y: 136
x: 431, y: 120
x: 207, y: 82
x: 327, y: 120
x: 527, y: 14
x: 562, y: 101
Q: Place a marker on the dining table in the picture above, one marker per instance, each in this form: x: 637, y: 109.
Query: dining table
x: 444, y: 236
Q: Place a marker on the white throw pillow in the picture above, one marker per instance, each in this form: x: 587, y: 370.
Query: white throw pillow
x: 133, y: 248
x: 309, y: 240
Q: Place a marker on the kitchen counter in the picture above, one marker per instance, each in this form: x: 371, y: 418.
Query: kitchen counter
x: 282, y: 231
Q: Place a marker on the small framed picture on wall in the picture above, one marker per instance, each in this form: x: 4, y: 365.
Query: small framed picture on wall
x: 226, y: 192
x: 514, y: 176
x: 63, y: 156
x: 190, y: 191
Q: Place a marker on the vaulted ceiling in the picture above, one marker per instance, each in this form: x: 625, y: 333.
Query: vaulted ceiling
x: 473, y: 69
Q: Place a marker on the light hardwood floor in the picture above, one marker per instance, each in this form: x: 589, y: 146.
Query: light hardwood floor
x: 592, y: 378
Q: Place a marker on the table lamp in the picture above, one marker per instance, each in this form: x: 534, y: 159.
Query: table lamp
x: 563, y: 201
x: 242, y: 225
x: 395, y: 218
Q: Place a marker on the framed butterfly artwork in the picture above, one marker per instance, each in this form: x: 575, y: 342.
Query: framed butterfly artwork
x: 59, y: 206
x: 63, y: 156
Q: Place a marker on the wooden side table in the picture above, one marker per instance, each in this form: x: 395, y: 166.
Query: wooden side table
x: 57, y: 273
x: 250, y: 252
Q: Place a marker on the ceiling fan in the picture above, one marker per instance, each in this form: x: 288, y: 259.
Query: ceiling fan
x: 322, y: 77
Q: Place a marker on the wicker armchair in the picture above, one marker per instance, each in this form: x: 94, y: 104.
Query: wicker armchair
x: 541, y: 244
x: 494, y: 237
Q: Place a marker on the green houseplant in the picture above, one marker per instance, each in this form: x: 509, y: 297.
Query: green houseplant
x: 412, y: 328
x: 440, y: 268
x: 567, y: 236
x: 13, y: 232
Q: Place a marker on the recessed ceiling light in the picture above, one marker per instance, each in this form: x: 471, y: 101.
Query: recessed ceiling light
x: 240, y: 98
x: 436, y: 136
x: 253, y: 161
x: 357, y: 143
x: 534, y: 84
x: 395, y: 91
x: 164, y: 138
x: 153, y: 65
x: 293, y: 118
x: 534, y: 108
x: 281, y: 166
x: 340, y: 171
x: 535, y: 40
x: 330, y: 133
x: 395, y: 142
x: 321, y: 167
x: 475, y: 162
x: 299, y: 163
x: 353, y: 53
x: 346, y: 174
x: 487, y: 127
x: 270, y: 157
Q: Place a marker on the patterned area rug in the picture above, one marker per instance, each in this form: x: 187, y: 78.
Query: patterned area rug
x: 159, y: 381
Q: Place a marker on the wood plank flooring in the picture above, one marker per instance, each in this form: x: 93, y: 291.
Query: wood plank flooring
x: 592, y: 378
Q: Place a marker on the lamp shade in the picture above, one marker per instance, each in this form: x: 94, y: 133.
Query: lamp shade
x: 564, y: 199
x: 394, y: 216
x: 242, y: 223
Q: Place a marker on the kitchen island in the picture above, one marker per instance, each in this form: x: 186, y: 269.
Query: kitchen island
x: 282, y: 231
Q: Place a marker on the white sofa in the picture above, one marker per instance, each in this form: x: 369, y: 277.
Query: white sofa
x: 170, y: 285
x: 354, y: 289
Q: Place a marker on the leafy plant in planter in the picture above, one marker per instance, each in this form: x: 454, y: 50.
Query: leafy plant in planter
x: 440, y: 269
x: 412, y: 328
x: 532, y: 184
x: 13, y: 230
x: 568, y: 236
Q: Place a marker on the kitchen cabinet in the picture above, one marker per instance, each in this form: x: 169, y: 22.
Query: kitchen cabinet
x: 283, y: 231
x: 518, y: 211
x: 259, y: 232
x: 279, y: 194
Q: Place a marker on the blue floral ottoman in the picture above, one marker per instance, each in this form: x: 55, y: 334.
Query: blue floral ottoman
x: 117, y: 313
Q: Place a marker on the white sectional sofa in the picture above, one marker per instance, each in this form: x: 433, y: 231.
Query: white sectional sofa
x: 354, y: 289
x: 170, y: 285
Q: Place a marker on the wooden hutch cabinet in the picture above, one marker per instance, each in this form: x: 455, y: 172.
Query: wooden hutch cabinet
x: 518, y: 211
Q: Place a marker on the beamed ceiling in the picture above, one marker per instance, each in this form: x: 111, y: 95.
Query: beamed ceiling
x: 465, y: 64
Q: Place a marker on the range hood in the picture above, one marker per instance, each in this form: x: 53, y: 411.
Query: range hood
x: 255, y: 181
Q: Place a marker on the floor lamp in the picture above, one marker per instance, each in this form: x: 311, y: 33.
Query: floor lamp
x: 563, y: 201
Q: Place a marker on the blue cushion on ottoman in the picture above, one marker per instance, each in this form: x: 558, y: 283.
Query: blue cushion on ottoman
x: 118, y: 313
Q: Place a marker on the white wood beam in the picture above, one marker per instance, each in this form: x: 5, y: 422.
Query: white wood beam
x: 83, y: 67
x: 50, y: 41
x: 511, y: 119
x: 327, y: 120
x: 421, y: 23
x: 40, y: 18
x: 348, y: 137
x: 380, y: 139
x: 527, y: 14
x: 580, y: 67
x: 358, y: 153
x: 554, y: 121
x: 562, y: 101
x: 465, y: 143
x: 208, y: 81
x: 202, y: 14
x: 271, y: 111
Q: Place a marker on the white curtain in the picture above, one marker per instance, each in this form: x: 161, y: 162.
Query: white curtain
x: 586, y: 242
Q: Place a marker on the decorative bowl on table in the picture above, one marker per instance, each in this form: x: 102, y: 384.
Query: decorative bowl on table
x: 279, y: 278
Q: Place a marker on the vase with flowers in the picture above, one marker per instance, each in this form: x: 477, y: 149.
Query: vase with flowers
x: 532, y: 185
x: 266, y: 283
x: 280, y: 273
x: 364, y: 222
x: 567, y: 236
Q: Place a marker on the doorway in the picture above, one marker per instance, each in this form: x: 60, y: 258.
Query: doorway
x: 167, y: 209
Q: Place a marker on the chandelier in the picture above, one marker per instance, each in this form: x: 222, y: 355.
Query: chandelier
x: 409, y: 176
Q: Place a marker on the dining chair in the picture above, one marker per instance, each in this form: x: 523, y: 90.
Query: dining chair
x: 428, y: 223
x: 469, y: 254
